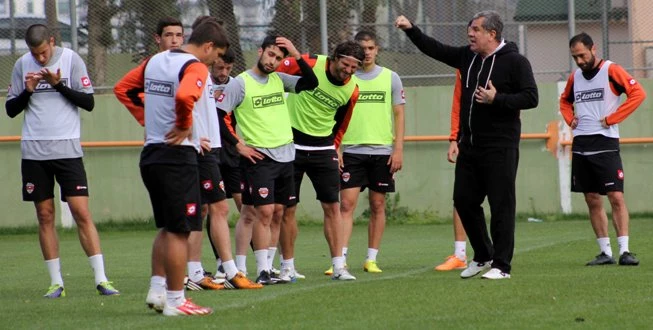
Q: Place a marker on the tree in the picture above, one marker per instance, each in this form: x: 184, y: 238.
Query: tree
x: 53, y: 21
x: 224, y: 11
x: 100, y: 39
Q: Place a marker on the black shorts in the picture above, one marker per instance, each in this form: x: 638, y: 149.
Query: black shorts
x: 370, y: 171
x: 598, y: 173
x: 232, y: 178
x: 211, y: 184
x: 322, y: 169
x: 175, y: 196
x: 267, y: 182
x: 39, y: 176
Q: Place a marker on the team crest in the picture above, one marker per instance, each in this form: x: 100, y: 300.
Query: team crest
x: 191, y: 209
x: 221, y: 97
x: 346, y: 176
x: 29, y: 187
x: 263, y: 192
x: 207, y: 185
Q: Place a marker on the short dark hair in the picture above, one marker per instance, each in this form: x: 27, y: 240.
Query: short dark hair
x: 229, y: 56
x: 271, y: 40
x: 348, y: 48
x: 365, y: 36
x: 583, y: 38
x: 492, y: 22
x: 204, y: 18
x: 36, y: 35
x: 167, y: 21
x: 209, y: 31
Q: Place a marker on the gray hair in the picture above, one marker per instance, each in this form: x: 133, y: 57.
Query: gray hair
x: 492, y: 22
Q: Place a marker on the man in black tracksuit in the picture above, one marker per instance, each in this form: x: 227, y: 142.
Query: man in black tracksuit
x: 497, y: 83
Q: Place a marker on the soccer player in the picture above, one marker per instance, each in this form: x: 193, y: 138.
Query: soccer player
x: 319, y: 119
x: 176, y: 92
x: 458, y: 260
x: 591, y: 106
x: 373, y: 146
x: 499, y: 83
x: 129, y: 90
x: 50, y: 84
x: 256, y: 97
x: 229, y: 157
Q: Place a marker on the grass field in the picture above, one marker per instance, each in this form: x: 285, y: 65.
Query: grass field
x: 550, y: 288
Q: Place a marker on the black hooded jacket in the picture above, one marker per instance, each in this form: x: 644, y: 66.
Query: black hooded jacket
x: 486, y: 125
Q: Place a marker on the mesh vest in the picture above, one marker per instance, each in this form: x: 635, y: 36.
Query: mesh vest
x: 263, y: 114
x: 312, y: 112
x: 371, y: 121
x: 594, y: 100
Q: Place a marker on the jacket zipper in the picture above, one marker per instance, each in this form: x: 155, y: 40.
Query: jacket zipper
x: 471, y: 105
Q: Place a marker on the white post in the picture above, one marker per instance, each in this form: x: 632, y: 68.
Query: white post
x: 564, y: 160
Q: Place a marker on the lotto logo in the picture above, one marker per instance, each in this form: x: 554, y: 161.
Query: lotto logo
x: 156, y: 87
x: 86, y: 82
x: 81, y: 188
x: 267, y: 100
x: 191, y: 209
x: 620, y: 174
x: 222, y: 185
x: 346, y: 176
x: 207, y: 185
x: 263, y: 192
x: 199, y: 83
x: 371, y: 97
x: 29, y: 187
x: 589, y: 96
x: 286, y: 62
x: 632, y: 81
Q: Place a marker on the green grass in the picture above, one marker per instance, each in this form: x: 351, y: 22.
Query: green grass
x: 550, y: 288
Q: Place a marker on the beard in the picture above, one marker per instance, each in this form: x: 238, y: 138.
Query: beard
x: 589, y: 65
x: 262, y: 67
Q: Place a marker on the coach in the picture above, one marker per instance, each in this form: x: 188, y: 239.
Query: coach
x: 498, y: 82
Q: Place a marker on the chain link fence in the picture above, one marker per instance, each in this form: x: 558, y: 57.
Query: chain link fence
x: 113, y: 35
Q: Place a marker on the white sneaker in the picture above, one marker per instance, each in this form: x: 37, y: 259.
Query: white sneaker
x: 299, y: 276
x: 495, y: 274
x: 156, y: 300
x: 219, y: 275
x: 342, y: 274
x: 474, y: 268
x: 287, y: 275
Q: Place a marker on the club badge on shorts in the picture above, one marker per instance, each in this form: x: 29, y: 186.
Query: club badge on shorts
x: 263, y: 192
x: 346, y: 176
x: 29, y: 187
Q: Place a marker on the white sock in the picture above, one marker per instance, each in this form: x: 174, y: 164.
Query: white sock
x: 97, y: 263
x: 604, y: 245
x: 288, y: 263
x: 230, y: 269
x: 158, y: 283
x: 54, y: 268
x: 622, y: 241
x: 271, y: 252
x: 195, y: 271
x: 338, y: 262
x: 261, y: 261
x: 175, y: 298
x: 241, y: 263
x: 459, y: 249
x: 344, y: 252
x: 371, y: 254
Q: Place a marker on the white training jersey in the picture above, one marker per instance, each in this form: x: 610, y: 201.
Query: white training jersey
x: 49, y: 115
x: 208, y: 115
x: 594, y: 100
x: 162, y: 78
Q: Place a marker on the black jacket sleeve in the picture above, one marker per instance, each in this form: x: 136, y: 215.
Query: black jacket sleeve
x: 526, y: 95
x: 225, y: 133
x: 449, y: 55
x: 308, y: 81
x: 80, y: 99
x: 16, y: 105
